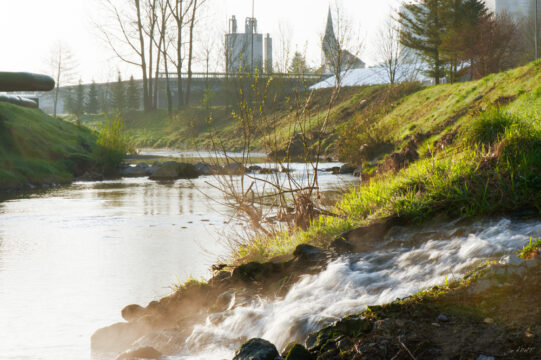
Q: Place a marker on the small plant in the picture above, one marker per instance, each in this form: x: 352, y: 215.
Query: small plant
x: 531, y: 248
x: 113, y: 145
x: 490, y: 127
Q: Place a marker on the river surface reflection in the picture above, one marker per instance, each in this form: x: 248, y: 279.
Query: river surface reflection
x: 71, y: 258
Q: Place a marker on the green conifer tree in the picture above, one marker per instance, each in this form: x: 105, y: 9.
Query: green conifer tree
x: 133, y: 95
x: 423, y: 29
x: 118, y: 96
x: 92, y: 104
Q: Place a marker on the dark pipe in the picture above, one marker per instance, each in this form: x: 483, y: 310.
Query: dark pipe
x: 18, y: 100
x: 10, y: 81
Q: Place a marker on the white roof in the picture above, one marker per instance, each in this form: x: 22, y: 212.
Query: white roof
x: 373, y: 76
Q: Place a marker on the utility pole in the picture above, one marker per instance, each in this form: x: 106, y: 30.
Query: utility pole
x: 252, y: 25
x: 536, y: 30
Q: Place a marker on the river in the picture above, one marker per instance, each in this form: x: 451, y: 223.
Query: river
x: 72, y: 257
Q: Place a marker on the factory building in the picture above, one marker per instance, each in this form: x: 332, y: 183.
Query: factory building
x: 247, y: 52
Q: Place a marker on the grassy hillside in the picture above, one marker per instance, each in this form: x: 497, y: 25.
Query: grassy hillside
x: 36, y: 148
x: 489, y: 161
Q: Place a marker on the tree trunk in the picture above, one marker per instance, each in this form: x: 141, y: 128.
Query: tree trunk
x: 190, y: 54
x: 146, y: 102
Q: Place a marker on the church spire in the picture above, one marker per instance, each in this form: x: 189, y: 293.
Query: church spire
x: 329, y: 31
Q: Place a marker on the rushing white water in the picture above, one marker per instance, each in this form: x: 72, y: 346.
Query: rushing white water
x: 405, y: 262
x: 72, y: 257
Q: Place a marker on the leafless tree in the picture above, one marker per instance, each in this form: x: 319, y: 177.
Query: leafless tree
x: 193, y: 20
x: 128, y: 39
x: 395, y: 59
x: 342, y: 45
x: 284, y: 48
x: 179, y: 10
x: 62, y: 65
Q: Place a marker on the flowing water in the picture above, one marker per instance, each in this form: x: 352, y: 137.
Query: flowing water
x: 406, y: 261
x: 72, y: 257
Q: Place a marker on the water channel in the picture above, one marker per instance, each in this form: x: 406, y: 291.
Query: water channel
x: 72, y: 257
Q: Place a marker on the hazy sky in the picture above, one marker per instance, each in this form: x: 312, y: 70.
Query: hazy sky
x: 30, y: 27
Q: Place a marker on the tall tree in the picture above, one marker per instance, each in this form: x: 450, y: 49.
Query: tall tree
x: 298, y: 64
x: 134, y: 25
x: 62, y: 66
x: 193, y: 19
x: 464, y: 19
x: 423, y: 27
x: 179, y: 9
x: 133, y: 96
x: 92, y: 104
x: 118, y: 96
x: 79, y: 101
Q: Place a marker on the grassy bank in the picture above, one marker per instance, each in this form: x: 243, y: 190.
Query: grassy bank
x: 490, y: 161
x: 38, y: 149
x: 196, y: 127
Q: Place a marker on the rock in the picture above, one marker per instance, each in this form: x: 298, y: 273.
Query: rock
x: 134, y: 171
x: 256, y: 349
x: 484, y: 357
x: 172, y: 170
x: 204, y: 168
x: 234, y: 169
x: 132, y: 312
x: 87, y: 176
x: 511, y: 260
x: 344, y: 344
x: 117, y: 337
x: 442, y: 318
x: 309, y: 253
x: 225, y: 301
x: 298, y: 352
x: 141, y: 353
x: 353, y: 326
x: 357, y: 172
x: 402, y: 159
x: 347, y: 169
x: 252, y: 271
x: 168, y: 171
x: 342, y: 246
x: 255, y: 168
x: 481, y: 286
x: 335, y: 170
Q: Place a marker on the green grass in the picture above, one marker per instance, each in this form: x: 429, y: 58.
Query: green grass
x: 532, y: 247
x: 494, y: 165
x: 36, y: 148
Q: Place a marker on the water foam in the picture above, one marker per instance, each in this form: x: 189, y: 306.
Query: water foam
x: 404, y: 263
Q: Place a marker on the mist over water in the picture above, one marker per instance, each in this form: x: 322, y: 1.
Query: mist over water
x: 71, y: 258
x: 408, y: 260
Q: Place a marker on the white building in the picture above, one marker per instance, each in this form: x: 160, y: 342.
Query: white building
x: 247, y: 52
x: 517, y: 8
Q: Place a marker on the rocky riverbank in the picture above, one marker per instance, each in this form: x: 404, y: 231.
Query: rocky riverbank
x: 490, y: 314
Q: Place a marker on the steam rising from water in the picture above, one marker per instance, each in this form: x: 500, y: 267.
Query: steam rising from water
x: 402, y: 264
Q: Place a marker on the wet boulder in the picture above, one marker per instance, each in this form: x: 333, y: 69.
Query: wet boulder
x: 172, y: 170
x: 117, y: 337
x: 204, y: 168
x: 141, y: 353
x: 353, y: 326
x: 257, y: 349
x: 347, y: 169
x: 134, y: 171
x: 341, y: 246
x: 132, y: 312
x: 253, y: 271
x: 298, y: 352
x: 234, y: 169
x: 309, y: 253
